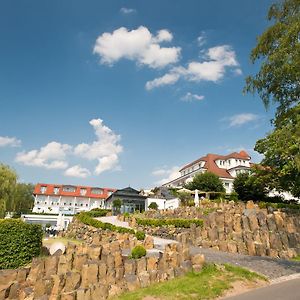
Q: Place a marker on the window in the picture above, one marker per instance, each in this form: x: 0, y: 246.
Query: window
x: 226, y: 184
x: 43, y: 189
x: 86, y: 205
x: 81, y: 204
x: 97, y: 191
x: 82, y: 192
x: 69, y: 188
x: 45, y: 202
x: 56, y: 190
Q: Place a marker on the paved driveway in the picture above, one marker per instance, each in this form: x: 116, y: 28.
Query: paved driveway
x: 287, y: 290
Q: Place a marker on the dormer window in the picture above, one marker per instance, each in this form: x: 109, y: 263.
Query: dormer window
x: 69, y: 188
x: 56, y: 190
x: 43, y: 189
x: 82, y: 192
x: 97, y: 191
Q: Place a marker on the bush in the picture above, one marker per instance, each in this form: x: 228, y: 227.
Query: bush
x: 140, y: 235
x: 85, y: 218
x: 153, y: 205
x: 179, y: 223
x: 250, y: 187
x: 138, y: 252
x: 20, y: 242
x: 98, y: 212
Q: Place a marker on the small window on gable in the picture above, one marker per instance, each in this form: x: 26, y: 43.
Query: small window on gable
x: 97, y: 191
x: 82, y: 191
x: 43, y: 189
x: 69, y: 188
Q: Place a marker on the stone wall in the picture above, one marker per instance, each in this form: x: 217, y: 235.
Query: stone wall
x: 96, y: 271
x: 237, y: 228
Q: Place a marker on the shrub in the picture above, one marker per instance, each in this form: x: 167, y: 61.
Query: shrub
x: 153, y: 205
x: 138, y: 252
x: 179, y: 223
x: 20, y: 242
x: 98, y: 212
x: 140, y: 235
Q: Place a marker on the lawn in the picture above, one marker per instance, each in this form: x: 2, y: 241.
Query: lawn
x: 297, y: 258
x: 210, y: 283
x: 47, y: 242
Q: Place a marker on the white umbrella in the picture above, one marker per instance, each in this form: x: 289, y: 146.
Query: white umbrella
x: 196, y: 199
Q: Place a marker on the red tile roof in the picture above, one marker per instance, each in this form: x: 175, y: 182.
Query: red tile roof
x: 211, y: 165
x: 50, y: 191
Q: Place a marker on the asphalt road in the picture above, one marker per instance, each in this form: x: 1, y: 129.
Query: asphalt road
x: 287, y: 290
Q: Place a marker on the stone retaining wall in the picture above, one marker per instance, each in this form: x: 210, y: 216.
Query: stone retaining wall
x: 96, y: 271
x: 236, y: 228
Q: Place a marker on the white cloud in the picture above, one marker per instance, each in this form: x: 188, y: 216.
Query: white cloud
x: 189, y: 97
x: 138, y: 45
x: 105, y: 149
x: 167, y: 79
x: 168, y: 174
x: 6, y: 141
x: 127, y: 11
x: 51, y: 156
x: 77, y: 171
x: 215, y: 62
x: 241, y: 119
x: 201, y: 39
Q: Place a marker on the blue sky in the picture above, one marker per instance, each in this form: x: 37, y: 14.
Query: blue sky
x: 117, y: 93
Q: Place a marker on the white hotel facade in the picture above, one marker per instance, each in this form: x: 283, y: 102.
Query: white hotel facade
x: 68, y: 199
x: 226, y: 167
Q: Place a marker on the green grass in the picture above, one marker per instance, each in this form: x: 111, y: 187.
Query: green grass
x: 297, y: 258
x: 49, y: 241
x: 210, y: 283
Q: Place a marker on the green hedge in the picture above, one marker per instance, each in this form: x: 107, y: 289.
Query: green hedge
x: 97, y: 212
x: 179, y: 223
x: 85, y: 218
x: 278, y: 205
x: 19, y: 243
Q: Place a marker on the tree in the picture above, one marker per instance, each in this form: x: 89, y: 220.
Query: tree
x: 117, y: 203
x: 250, y: 187
x: 206, y: 182
x: 153, y: 205
x: 281, y: 150
x: 8, y: 179
x: 23, y: 198
x: 278, y: 49
x: 278, y: 80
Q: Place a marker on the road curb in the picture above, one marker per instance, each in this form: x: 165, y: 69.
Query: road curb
x: 284, y: 278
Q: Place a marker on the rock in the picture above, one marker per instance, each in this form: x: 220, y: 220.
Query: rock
x: 130, y: 266
x: 51, y: 263
x: 73, y: 279
x: 198, y: 259
x: 132, y: 282
x: 58, y: 284
x: 36, y: 270
x: 89, y: 275
x: 149, y: 242
x: 152, y: 263
x: 144, y: 279
x: 42, y: 287
x: 7, y: 276
x: 232, y: 247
